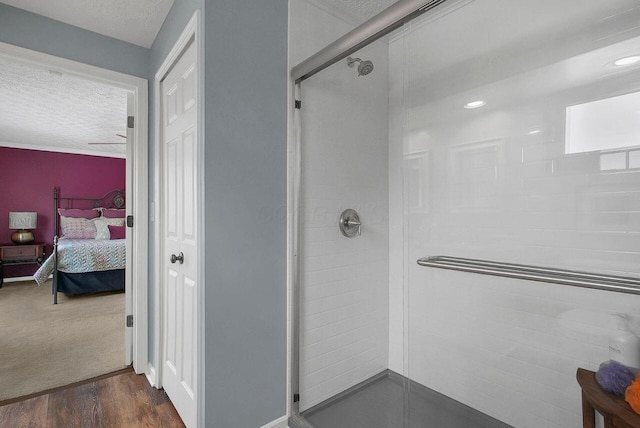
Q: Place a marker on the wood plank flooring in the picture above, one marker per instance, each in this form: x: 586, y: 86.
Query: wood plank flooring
x: 122, y: 400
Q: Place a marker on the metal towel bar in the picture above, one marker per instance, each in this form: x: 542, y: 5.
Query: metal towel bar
x: 619, y: 284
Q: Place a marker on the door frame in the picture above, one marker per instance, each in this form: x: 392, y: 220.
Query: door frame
x: 137, y: 262
x: 191, y: 34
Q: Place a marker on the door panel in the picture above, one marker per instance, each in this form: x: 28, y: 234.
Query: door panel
x: 189, y: 311
x: 171, y: 190
x: 189, y: 212
x: 171, y: 321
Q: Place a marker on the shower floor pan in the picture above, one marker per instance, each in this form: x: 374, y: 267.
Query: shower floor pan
x: 384, y: 402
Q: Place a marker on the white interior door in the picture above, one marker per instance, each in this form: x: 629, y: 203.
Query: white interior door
x: 180, y: 233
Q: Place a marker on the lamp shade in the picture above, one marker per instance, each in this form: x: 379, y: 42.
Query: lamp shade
x: 23, y: 220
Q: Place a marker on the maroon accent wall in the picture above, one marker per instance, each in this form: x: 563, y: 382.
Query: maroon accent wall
x: 27, y: 179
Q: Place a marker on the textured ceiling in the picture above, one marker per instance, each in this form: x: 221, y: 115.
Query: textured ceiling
x: 356, y: 11
x: 47, y: 110
x: 134, y: 21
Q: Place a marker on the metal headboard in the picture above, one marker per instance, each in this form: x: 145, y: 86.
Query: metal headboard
x: 113, y: 199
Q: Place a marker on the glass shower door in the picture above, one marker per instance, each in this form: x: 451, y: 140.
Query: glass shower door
x: 519, y: 140
x: 343, y: 267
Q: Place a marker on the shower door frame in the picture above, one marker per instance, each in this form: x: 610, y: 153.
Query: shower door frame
x: 377, y: 27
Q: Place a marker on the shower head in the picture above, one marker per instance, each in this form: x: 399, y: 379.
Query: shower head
x: 364, y: 68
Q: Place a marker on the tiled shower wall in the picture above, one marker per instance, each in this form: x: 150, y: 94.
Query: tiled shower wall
x: 498, y: 183
x: 344, y: 281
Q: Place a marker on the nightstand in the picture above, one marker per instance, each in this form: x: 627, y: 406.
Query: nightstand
x: 11, y: 254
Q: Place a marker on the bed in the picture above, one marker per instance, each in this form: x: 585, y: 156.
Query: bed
x: 89, y: 251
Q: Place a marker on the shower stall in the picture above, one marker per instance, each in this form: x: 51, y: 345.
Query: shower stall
x: 465, y: 208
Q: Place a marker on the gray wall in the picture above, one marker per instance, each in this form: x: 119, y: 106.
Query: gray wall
x: 245, y: 189
x: 35, y: 32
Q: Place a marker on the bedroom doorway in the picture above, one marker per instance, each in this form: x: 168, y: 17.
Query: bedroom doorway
x: 134, y: 321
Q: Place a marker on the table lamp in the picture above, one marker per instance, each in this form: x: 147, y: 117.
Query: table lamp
x: 21, y: 221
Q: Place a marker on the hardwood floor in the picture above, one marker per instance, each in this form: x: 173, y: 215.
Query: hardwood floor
x: 122, y: 400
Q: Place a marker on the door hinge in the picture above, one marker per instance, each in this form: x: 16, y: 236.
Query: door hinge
x: 298, y: 104
x: 129, y: 221
x: 130, y: 121
x: 296, y: 397
x: 129, y: 320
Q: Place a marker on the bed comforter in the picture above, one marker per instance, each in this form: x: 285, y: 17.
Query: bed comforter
x: 84, y: 255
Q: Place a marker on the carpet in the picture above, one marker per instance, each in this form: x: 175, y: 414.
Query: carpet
x: 44, y: 346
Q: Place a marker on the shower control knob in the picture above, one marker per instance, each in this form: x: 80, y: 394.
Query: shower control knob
x: 350, y: 223
x: 354, y: 223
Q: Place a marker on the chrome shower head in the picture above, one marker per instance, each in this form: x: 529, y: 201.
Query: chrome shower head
x: 364, y: 68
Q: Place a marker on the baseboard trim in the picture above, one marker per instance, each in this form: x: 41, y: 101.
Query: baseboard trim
x: 278, y: 423
x: 22, y: 279
x: 297, y: 421
x: 150, y: 373
x: 19, y: 279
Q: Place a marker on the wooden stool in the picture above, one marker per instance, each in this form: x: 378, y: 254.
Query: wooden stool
x: 616, y: 411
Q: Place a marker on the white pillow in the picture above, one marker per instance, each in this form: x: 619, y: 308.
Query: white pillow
x: 78, y: 228
x: 102, y: 229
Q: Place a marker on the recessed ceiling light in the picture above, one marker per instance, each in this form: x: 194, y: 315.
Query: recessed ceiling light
x: 474, y: 104
x: 534, y: 132
x: 628, y: 60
